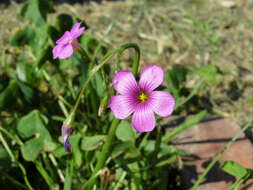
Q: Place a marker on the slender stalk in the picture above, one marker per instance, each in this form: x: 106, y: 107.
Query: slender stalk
x: 137, y: 55
x: 104, y: 154
x: 13, y: 137
x: 13, y: 180
x: 218, y: 156
x: 117, y: 186
x: 45, y: 175
x: 85, y: 56
x: 93, y: 72
x: 193, y: 92
x: 158, y: 140
x: 110, y: 138
x: 6, y: 146
x: 53, y: 160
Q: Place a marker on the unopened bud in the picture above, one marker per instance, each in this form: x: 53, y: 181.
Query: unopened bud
x: 103, y: 105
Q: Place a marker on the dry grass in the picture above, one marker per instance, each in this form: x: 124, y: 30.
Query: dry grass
x: 186, y: 32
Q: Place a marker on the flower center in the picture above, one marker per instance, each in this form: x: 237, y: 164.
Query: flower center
x: 143, y: 96
x: 70, y: 41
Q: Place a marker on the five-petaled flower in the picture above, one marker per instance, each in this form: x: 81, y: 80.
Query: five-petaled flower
x: 141, y: 99
x: 68, y: 42
x: 66, y: 130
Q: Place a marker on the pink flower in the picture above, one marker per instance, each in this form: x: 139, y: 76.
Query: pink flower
x: 141, y: 99
x: 68, y: 42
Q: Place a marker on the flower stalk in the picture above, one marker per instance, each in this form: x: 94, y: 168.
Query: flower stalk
x: 104, y: 154
x: 111, y: 135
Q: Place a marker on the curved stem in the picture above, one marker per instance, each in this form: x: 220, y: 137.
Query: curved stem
x: 137, y: 55
x: 93, y: 72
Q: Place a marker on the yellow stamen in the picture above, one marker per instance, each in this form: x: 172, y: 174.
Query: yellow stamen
x: 70, y: 41
x: 143, y: 97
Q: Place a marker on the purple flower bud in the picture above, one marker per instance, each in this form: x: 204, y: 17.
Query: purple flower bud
x: 66, y: 130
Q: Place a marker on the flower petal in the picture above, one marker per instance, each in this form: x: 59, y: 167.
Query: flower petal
x: 66, y: 130
x: 64, y: 39
x: 125, y: 83
x: 67, y: 146
x: 56, y: 51
x: 162, y: 103
x: 143, y: 119
x: 76, y: 31
x: 151, y: 77
x: 66, y: 51
x: 75, y: 44
x: 122, y: 106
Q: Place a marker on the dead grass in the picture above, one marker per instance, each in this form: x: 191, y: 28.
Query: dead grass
x: 186, y: 32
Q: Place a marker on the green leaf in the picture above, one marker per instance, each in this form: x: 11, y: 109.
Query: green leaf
x: 74, y: 141
x: 125, y: 132
x: 93, y: 142
x: 31, y: 125
x: 9, y: 95
x: 4, y: 81
x: 121, y: 148
x: 37, y: 10
x: 89, y: 43
x: 28, y: 93
x: 98, y: 85
x: 22, y: 37
x: 31, y: 149
x: 185, y: 126
x: 64, y: 22
x: 45, y: 55
x: 175, y: 77
x: 60, y: 151
x: 235, y: 169
x: 208, y: 73
x: 40, y: 40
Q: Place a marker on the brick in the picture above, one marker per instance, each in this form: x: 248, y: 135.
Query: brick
x: 204, y: 142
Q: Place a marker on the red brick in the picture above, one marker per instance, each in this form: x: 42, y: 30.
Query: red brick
x: 206, y: 140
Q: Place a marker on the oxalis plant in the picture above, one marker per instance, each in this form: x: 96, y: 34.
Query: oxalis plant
x: 140, y: 99
x: 114, y: 129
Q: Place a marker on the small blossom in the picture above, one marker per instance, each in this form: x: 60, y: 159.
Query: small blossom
x: 141, y: 99
x: 66, y: 130
x: 66, y: 45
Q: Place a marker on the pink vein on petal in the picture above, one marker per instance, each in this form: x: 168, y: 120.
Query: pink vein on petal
x: 162, y: 103
x: 151, y: 77
x: 143, y: 119
x: 125, y: 83
x: 122, y: 106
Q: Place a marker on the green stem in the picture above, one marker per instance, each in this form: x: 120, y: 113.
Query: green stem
x: 218, y: 156
x: 13, y: 180
x: 85, y: 56
x: 6, y: 146
x: 53, y: 160
x: 193, y: 92
x: 137, y: 55
x: 45, y: 175
x: 103, y: 155
x: 93, y: 99
x: 158, y: 140
x: 13, y: 137
x: 93, y: 72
